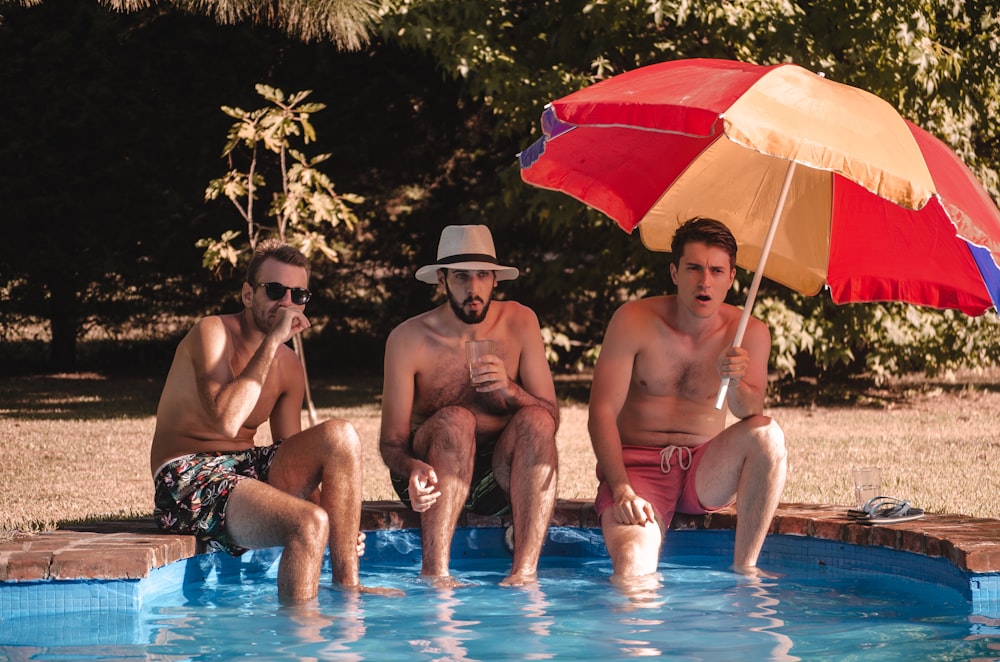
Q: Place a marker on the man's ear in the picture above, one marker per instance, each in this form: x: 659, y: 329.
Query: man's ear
x: 246, y: 294
x: 673, y: 273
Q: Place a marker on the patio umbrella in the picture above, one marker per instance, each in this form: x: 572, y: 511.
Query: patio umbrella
x: 820, y: 182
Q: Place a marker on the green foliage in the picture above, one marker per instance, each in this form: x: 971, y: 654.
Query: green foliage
x: 937, y: 62
x: 553, y: 340
x: 346, y: 23
x: 304, y: 204
x: 882, y: 340
x: 431, y: 115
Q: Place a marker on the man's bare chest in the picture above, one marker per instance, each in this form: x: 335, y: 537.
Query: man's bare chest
x: 667, y: 372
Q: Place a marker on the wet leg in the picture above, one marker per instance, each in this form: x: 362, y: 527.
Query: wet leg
x: 525, y: 465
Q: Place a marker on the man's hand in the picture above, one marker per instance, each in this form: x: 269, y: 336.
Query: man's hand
x: 289, y: 322
x: 633, y: 509
x: 423, y: 490
x: 489, y: 374
x: 734, y: 363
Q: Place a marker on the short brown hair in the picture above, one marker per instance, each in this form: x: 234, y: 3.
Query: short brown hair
x: 278, y: 250
x: 706, y: 231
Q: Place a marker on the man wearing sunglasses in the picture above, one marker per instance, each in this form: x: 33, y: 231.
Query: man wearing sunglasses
x: 476, y: 436
x: 230, y: 375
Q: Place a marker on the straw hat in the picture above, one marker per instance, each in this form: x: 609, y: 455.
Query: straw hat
x: 466, y: 247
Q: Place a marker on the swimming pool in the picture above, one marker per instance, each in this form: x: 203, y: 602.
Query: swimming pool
x: 833, y: 602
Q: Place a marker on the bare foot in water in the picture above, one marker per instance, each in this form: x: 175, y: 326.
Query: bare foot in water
x: 445, y: 582
x: 754, y: 571
x: 372, y: 590
x: 520, y: 579
x: 642, y: 591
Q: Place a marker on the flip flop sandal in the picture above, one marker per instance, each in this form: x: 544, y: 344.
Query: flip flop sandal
x: 885, y: 510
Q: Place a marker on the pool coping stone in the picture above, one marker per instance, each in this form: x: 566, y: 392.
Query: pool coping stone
x: 130, y: 549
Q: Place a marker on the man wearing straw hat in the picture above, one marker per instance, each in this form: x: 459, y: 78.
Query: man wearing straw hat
x: 480, y: 435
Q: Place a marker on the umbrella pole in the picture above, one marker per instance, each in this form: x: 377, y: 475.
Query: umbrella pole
x: 757, y: 275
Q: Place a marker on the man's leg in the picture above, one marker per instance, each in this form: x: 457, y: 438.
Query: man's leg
x: 634, y: 549
x: 447, y: 442
x: 327, y: 455
x: 525, y: 465
x: 259, y: 515
x: 748, y: 460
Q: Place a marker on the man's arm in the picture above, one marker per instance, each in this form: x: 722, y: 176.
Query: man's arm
x: 398, y: 392
x: 286, y: 416
x: 746, y: 367
x: 536, y: 387
x: 612, y: 376
x: 227, y: 398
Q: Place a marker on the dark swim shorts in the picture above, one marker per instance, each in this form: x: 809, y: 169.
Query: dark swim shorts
x: 192, y: 492
x: 486, y: 497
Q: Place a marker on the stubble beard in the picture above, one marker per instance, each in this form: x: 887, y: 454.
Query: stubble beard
x: 467, y: 317
x: 261, y: 318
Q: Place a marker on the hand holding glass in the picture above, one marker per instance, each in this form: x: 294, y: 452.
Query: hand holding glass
x: 475, y: 350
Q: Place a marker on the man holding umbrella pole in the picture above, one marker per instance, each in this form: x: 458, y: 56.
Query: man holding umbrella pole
x: 661, y: 444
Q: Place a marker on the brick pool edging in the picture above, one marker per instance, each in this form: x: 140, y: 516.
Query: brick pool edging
x: 130, y: 549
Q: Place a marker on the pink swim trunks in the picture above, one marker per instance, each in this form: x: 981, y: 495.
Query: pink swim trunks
x: 662, y: 476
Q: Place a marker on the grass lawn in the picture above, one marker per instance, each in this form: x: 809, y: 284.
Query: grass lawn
x: 76, y: 447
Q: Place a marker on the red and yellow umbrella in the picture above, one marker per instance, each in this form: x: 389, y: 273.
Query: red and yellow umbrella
x: 821, y: 183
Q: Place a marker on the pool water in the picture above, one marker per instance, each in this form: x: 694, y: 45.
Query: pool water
x: 221, y: 608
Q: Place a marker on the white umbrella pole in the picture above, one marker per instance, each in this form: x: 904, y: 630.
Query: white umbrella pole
x: 757, y: 275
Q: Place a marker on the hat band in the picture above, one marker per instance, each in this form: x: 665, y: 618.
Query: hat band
x: 467, y: 257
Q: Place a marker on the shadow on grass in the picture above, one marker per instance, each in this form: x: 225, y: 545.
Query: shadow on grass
x: 863, y: 392
x: 85, y: 396
x: 92, y: 396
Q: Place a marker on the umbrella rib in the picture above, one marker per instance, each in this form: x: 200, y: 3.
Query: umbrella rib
x: 650, y: 129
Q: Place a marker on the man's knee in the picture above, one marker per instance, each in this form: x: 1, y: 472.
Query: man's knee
x: 339, y: 442
x: 451, y: 428
x: 769, y: 438
x: 312, y: 525
x: 534, y: 422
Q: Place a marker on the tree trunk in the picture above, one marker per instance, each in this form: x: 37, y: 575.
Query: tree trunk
x: 64, y: 323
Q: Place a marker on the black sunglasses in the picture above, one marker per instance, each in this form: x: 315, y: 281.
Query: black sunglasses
x: 276, y: 292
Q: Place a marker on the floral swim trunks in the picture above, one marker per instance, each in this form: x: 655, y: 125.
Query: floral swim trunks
x: 192, y: 492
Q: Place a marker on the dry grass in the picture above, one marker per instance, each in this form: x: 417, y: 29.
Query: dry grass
x: 76, y: 447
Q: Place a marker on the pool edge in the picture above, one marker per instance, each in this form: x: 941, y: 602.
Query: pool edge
x: 130, y: 549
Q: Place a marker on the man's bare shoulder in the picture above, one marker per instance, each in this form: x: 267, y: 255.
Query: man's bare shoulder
x: 650, y: 309
x: 513, y: 310
x: 213, y: 333
x: 213, y: 324
x: 415, y: 328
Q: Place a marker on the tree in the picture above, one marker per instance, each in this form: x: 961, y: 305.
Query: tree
x: 99, y: 128
x: 936, y: 62
x: 347, y: 23
x: 93, y: 197
x: 305, y: 206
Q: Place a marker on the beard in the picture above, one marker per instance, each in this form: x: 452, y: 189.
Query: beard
x: 260, y: 319
x: 471, y: 317
x: 263, y: 316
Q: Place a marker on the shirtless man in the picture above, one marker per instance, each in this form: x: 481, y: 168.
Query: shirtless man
x: 451, y: 443
x: 230, y: 375
x: 660, y: 443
